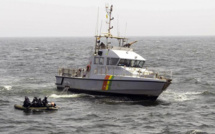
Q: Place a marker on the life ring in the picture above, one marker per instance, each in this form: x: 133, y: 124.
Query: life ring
x: 88, y: 68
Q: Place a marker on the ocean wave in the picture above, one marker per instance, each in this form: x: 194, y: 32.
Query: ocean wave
x: 6, y: 88
x: 116, y: 101
x: 200, y: 93
x: 192, y: 80
x: 192, y: 93
x: 179, y: 97
x: 207, y: 93
x: 185, y: 96
x: 4, y: 101
x: 209, y: 84
x: 182, y: 97
x: 196, y: 132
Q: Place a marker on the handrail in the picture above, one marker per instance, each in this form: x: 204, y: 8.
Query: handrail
x: 111, y: 70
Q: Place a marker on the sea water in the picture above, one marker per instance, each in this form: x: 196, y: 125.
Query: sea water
x: 28, y: 67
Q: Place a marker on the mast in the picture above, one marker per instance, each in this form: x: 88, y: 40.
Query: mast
x: 108, y: 16
x: 109, y: 12
x: 122, y: 41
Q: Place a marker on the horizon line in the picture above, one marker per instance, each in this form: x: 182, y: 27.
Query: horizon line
x: 94, y: 36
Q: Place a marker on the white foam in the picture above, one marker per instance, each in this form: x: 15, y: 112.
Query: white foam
x: 65, y: 95
x: 193, y: 93
x: 7, y: 87
x: 180, y: 97
x: 195, y: 131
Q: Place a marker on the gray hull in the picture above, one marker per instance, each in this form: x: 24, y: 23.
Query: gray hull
x: 133, y: 88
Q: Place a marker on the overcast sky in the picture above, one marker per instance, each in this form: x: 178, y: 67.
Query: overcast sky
x: 45, y: 18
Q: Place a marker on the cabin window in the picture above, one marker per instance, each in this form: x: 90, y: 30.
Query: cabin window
x: 112, y: 61
x: 131, y: 63
x: 99, y: 60
x: 124, y: 62
x: 96, y: 60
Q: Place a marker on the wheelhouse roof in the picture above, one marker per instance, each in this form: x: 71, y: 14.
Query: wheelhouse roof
x: 122, y: 54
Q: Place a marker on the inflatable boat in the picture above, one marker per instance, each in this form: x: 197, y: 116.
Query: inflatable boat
x: 20, y: 107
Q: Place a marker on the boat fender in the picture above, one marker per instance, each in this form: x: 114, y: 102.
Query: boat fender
x: 88, y: 68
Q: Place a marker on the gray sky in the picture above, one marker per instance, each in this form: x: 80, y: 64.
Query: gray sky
x: 21, y: 18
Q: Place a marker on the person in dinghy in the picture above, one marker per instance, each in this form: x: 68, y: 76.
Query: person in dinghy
x: 37, y: 104
x: 26, y: 102
x: 45, y: 101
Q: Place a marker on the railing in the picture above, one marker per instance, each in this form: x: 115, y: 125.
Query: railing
x: 165, y: 74
x: 116, y: 71
x: 113, y: 47
x: 119, y: 71
x: 72, y: 72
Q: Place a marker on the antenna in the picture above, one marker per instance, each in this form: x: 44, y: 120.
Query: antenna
x: 125, y: 28
x: 106, y: 6
x: 108, y: 16
x: 101, y: 27
x: 118, y: 30
x: 96, y: 31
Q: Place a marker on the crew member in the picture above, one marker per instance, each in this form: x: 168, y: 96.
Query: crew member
x: 40, y: 104
x: 27, y: 102
x: 35, y: 102
x: 102, y: 45
x: 45, y: 101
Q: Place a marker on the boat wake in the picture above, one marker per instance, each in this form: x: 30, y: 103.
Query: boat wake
x: 200, y: 93
x: 179, y: 97
x: 67, y: 95
x: 207, y: 93
x: 195, y: 132
x: 185, y: 96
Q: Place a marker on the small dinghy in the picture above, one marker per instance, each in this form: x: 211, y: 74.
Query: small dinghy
x: 36, y: 105
x: 49, y: 107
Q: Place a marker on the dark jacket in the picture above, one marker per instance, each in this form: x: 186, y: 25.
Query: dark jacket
x: 26, y: 102
x: 45, y: 101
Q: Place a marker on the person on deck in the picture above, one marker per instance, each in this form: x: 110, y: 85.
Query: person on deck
x: 102, y: 45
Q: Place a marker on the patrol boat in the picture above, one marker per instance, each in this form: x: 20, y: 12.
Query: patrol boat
x: 114, y: 70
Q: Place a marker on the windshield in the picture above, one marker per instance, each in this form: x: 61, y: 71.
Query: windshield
x: 131, y: 63
x: 112, y: 61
